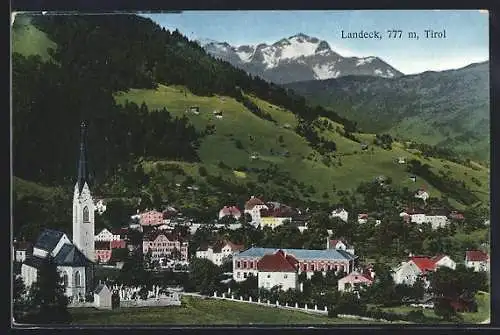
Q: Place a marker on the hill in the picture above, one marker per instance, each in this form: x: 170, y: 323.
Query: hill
x: 28, y: 40
x: 448, y: 109
x: 297, y: 58
x: 133, y: 82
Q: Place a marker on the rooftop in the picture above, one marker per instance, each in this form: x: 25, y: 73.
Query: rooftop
x: 277, y: 262
x: 300, y: 254
x: 69, y: 255
x: 476, y: 256
x: 48, y: 239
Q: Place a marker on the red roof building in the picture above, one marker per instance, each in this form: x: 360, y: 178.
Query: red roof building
x: 277, y: 262
x: 476, y: 256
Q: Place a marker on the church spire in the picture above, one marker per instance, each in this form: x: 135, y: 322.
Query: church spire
x: 82, y: 162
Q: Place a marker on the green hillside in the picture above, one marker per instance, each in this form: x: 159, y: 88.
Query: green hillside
x: 303, y: 164
x: 448, y: 109
x: 28, y: 40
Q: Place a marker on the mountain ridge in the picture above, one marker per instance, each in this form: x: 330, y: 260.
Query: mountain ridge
x: 297, y: 58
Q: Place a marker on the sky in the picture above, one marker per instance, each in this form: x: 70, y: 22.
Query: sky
x: 466, y: 42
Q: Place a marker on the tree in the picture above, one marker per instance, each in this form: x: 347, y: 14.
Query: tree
x: 19, y: 298
x: 203, y: 273
x: 47, y: 296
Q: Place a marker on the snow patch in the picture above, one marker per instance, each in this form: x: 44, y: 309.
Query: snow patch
x: 245, y: 56
x: 366, y: 60
x: 269, y: 58
x: 298, y: 48
x: 325, y: 71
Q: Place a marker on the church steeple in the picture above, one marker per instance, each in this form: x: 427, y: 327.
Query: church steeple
x: 82, y: 162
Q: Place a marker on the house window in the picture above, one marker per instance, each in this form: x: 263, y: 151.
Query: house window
x: 86, y: 214
x: 238, y: 275
x: 304, y: 267
x: 251, y: 265
x: 244, y: 265
x: 65, y: 280
x: 312, y: 267
x: 244, y: 275
x: 77, y: 278
x: 238, y: 264
x: 268, y: 276
x: 285, y: 276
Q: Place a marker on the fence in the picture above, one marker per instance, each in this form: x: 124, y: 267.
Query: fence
x: 307, y: 308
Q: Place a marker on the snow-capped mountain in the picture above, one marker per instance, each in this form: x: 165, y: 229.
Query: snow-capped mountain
x: 297, y: 58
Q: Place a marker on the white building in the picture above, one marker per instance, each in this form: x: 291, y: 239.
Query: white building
x: 416, y: 266
x: 478, y: 260
x: 107, y: 236
x: 341, y: 214
x: 103, y: 297
x: 253, y: 207
x: 278, y: 269
x: 21, y: 251
x: 219, y: 252
x: 354, y: 282
x: 339, y: 245
x: 422, y: 194
x: 75, y: 269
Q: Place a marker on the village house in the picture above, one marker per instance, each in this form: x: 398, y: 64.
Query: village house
x: 100, y: 207
x: 353, y: 282
x: 276, y: 215
x: 106, y: 235
x: 253, y: 207
x: 278, y: 269
x: 309, y: 261
x: 22, y: 250
x: 230, y: 211
x: 103, y: 251
x: 419, y: 266
x: 422, y: 194
x: 456, y: 216
x: 162, y: 245
x: 339, y: 244
x: 362, y: 218
x: 151, y: 218
x: 340, y: 213
x: 218, y: 252
x: 478, y: 260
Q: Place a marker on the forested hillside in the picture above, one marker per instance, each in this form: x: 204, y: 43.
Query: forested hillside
x: 449, y: 109
x: 133, y: 81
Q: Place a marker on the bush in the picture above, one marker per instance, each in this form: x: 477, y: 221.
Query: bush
x: 416, y: 316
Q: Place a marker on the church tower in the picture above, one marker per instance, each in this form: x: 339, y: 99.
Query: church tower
x: 83, y: 205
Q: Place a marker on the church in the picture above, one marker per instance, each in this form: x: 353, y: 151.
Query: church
x: 74, y: 259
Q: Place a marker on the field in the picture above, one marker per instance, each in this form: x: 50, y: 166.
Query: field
x: 240, y: 134
x: 195, y: 311
x: 28, y: 40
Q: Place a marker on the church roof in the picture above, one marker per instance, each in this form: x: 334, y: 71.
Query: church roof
x: 82, y: 162
x: 48, y: 239
x: 69, y: 255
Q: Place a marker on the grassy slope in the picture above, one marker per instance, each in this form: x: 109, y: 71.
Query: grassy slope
x: 22, y: 188
x: 239, y: 123
x: 28, y: 40
x: 483, y: 313
x: 195, y: 311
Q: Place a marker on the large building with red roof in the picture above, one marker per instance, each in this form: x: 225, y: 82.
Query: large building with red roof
x: 278, y: 269
x: 230, y: 211
x: 246, y: 262
x: 478, y: 260
x: 163, y: 245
